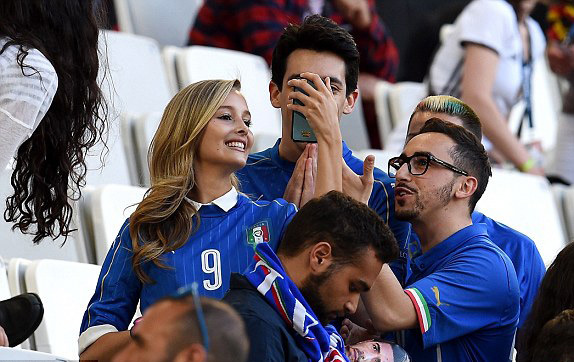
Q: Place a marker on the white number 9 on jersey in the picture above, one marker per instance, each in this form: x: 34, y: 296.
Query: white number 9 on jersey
x: 211, y: 264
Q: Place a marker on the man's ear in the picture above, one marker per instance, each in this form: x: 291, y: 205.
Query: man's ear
x: 320, y: 257
x: 466, y: 188
x: 193, y: 353
x: 274, y: 94
x: 350, y: 101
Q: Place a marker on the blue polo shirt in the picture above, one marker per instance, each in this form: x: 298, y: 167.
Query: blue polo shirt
x: 524, y: 255
x: 522, y: 252
x: 466, y: 296
x: 266, y: 176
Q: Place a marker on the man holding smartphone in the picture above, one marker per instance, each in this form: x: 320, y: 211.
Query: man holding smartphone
x: 317, y: 50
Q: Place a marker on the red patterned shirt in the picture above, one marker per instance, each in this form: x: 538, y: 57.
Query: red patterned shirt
x: 254, y: 26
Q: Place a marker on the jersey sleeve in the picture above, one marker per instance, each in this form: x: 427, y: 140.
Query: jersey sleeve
x: 468, y: 294
x: 117, y: 293
x: 500, y: 18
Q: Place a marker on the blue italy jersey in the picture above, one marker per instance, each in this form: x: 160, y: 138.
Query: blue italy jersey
x: 524, y: 255
x: 266, y: 176
x: 223, y: 243
x: 466, y: 296
x: 522, y: 252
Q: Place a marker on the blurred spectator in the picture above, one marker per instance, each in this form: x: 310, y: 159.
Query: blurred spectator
x: 556, y: 340
x: 177, y: 329
x: 255, y: 27
x: 487, y: 62
x: 561, y: 59
x: 556, y: 294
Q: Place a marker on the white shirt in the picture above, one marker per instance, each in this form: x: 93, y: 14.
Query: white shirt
x: 24, y: 98
x: 491, y: 23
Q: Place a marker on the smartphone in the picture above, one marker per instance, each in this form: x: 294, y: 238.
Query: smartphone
x: 301, y: 131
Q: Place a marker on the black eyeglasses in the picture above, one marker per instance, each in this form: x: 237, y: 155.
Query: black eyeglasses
x: 192, y: 290
x: 419, y: 163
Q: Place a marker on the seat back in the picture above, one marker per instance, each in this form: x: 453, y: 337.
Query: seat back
x: 403, y: 97
x: 354, y: 129
x: 110, y: 206
x: 197, y: 63
x: 382, y: 110
x: 133, y: 81
x: 168, y: 22
x: 65, y: 289
x: 525, y: 203
x: 16, y: 354
x: 381, y: 157
x: 14, y: 243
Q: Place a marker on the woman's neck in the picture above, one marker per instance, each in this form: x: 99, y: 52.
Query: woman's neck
x: 210, y: 185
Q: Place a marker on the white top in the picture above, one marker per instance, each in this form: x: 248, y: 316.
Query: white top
x: 491, y: 23
x: 24, y: 98
x: 225, y: 202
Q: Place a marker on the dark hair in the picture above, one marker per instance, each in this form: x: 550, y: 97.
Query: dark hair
x: 468, y: 154
x: 555, y: 294
x: 347, y: 225
x: 228, y: 341
x: 320, y: 34
x: 556, y: 340
x: 50, y: 166
x: 453, y: 107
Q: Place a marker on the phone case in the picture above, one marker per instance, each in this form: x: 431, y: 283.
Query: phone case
x: 301, y: 131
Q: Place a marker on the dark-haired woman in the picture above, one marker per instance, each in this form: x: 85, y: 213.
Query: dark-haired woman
x: 50, y: 108
x: 50, y: 115
x: 555, y: 295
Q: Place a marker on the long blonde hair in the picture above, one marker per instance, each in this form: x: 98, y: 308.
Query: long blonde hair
x: 164, y: 220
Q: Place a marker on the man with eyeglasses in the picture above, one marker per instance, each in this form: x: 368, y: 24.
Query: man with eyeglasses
x: 186, y: 328
x: 461, y: 302
x: 521, y: 250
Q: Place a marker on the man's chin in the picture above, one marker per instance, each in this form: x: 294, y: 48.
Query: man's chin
x: 405, y: 215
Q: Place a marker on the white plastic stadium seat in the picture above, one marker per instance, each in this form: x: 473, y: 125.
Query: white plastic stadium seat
x: 525, y: 203
x: 382, y: 110
x: 403, y: 97
x: 16, y: 354
x: 110, y: 206
x: 134, y: 82
x: 65, y: 289
x: 354, y: 129
x: 197, y: 63
x: 168, y: 22
x: 381, y: 157
x: 145, y: 127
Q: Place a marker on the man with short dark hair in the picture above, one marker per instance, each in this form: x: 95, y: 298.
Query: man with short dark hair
x: 463, y: 293
x: 171, y: 330
x: 332, y: 251
x: 317, y: 46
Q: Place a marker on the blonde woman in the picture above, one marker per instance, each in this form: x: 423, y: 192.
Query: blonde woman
x: 193, y: 225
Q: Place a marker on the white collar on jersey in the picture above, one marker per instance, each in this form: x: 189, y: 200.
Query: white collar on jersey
x: 224, y: 202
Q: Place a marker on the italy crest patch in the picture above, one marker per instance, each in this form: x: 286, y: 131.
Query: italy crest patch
x: 258, y: 233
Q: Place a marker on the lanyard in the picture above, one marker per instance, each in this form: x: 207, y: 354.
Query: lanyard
x: 527, y: 88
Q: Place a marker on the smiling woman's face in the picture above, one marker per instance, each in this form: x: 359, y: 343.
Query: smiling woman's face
x: 370, y: 351
x: 227, y: 139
